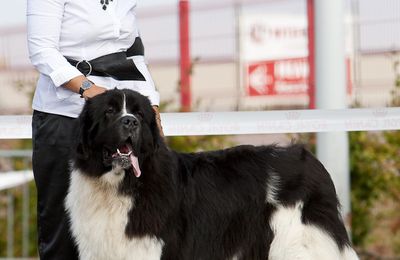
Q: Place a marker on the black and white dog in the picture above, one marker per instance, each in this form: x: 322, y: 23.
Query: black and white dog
x: 131, y: 197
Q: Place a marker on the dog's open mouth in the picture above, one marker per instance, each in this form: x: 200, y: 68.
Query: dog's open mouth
x: 126, y: 158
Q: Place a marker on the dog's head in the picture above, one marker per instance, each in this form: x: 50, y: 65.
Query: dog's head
x: 117, y: 129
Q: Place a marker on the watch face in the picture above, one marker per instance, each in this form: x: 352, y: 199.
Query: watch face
x: 86, y: 84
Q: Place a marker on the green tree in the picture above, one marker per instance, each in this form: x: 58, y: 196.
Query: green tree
x: 375, y: 183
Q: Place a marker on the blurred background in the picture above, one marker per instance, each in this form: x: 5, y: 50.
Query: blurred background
x: 244, y: 55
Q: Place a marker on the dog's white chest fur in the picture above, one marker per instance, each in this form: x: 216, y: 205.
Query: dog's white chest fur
x: 99, y: 216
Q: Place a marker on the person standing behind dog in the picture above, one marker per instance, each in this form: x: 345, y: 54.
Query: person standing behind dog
x: 81, y: 48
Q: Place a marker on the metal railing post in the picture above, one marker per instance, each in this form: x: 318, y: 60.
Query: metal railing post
x: 10, y: 224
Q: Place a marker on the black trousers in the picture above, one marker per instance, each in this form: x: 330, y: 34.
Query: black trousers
x: 52, y: 137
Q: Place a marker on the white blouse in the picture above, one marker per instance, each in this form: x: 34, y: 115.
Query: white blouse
x: 79, y: 30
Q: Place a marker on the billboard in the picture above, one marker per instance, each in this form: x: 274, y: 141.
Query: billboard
x: 274, y: 51
x: 271, y: 37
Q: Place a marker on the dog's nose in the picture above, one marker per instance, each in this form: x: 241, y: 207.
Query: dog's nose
x: 129, y: 122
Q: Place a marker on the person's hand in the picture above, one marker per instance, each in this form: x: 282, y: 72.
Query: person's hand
x: 75, y: 84
x: 93, y: 91
x: 158, y: 120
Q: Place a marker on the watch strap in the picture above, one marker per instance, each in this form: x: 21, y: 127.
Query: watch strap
x: 81, y: 90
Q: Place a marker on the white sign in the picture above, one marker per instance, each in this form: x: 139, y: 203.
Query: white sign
x: 281, y: 36
x: 270, y: 37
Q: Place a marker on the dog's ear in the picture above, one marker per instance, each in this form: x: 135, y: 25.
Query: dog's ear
x: 82, y: 152
x: 84, y: 123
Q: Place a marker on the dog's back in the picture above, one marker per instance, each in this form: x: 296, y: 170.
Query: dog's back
x: 260, y: 202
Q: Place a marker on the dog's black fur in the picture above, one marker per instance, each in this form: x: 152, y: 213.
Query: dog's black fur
x: 207, y: 205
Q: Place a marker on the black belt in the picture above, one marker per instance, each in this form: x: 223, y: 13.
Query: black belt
x: 115, y: 65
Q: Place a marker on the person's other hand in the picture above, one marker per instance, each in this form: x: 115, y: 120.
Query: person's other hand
x: 158, y: 120
x: 93, y: 91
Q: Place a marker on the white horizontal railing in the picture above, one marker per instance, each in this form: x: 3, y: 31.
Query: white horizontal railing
x: 14, y: 179
x: 233, y: 123
x: 240, y: 123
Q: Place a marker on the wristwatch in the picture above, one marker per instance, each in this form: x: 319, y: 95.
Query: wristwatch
x: 86, y: 84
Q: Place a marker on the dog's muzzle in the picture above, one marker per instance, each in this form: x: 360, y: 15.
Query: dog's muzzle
x: 130, y: 122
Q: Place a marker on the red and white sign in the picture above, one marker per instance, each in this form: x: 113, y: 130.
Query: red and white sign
x: 282, y: 77
x: 274, y: 50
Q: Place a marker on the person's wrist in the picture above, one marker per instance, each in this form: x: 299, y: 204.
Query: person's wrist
x: 75, y: 84
x: 87, y: 93
x: 93, y: 91
x: 85, y: 85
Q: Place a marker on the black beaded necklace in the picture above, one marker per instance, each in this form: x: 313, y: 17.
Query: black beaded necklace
x: 105, y: 3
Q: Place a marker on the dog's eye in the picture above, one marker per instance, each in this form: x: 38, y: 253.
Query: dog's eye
x: 110, y: 110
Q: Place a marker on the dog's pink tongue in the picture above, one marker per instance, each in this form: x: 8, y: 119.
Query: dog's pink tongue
x: 135, y: 165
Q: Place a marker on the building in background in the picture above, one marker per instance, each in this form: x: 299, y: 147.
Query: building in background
x: 248, y: 55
